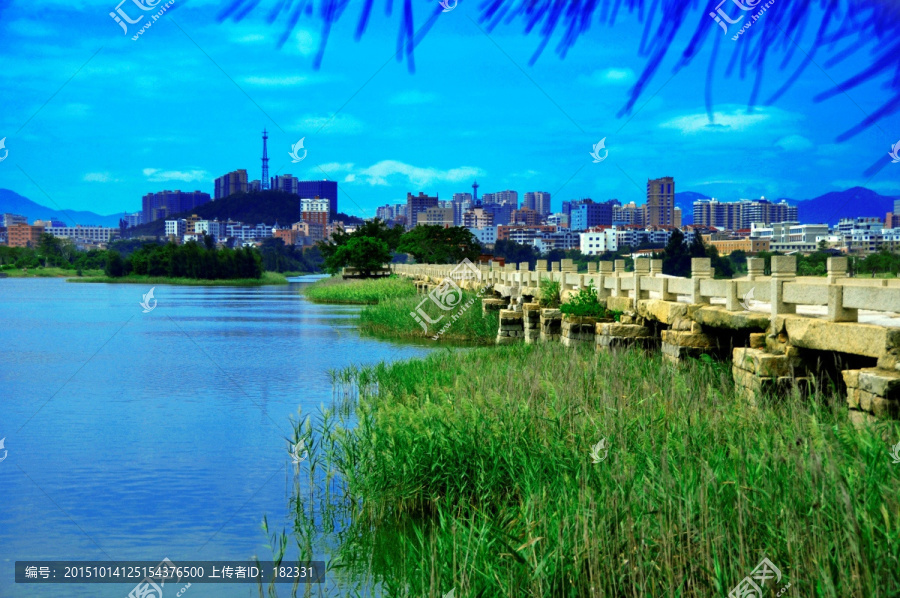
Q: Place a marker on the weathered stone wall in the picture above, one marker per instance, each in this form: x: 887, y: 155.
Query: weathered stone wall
x: 511, y: 327
x: 577, y: 330
x: 531, y: 320
x: 551, y: 324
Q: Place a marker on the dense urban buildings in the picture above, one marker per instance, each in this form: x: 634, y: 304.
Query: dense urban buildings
x: 315, y: 210
x: 538, y: 201
x: 324, y: 189
x: 589, y: 214
x: 166, y: 203
x: 23, y: 235
x: 416, y: 204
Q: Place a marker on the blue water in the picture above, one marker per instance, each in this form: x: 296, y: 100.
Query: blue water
x: 143, y: 436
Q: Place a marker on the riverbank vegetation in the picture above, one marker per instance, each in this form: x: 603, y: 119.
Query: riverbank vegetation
x: 267, y: 278
x: 359, y: 291
x: 401, y: 317
x: 538, y: 470
x: 192, y: 260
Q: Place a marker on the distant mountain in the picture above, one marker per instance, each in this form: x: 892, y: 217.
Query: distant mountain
x: 852, y: 203
x: 12, y: 202
x: 685, y: 200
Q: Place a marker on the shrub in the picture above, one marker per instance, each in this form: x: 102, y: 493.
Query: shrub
x: 550, y: 293
x: 585, y: 303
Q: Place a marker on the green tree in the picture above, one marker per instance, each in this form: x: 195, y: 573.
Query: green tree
x: 375, y: 229
x: 434, y: 244
x: 115, y: 266
x: 365, y: 254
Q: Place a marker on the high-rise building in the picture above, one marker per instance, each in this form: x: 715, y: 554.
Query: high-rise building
x: 589, y: 215
x: 896, y: 206
x: 436, y: 216
x: 231, y: 183
x: 168, y: 203
x: 385, y: 213
x: 286, y: 183
x: 630, y: 213
x: 135, y: 219
x: 538, y: 201
x: 741, y: 214
x: 527, y: 216
x: 325, y: 189
x: 416, y: 204
x: 315, y: 210
x: 660, y: 207
x: 10, y: 219
x: 504, y: 198
x: 23, y: 235
x: 478, y: 218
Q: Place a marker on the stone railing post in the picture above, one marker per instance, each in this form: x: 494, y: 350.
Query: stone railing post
x: 656, y: 268
x: 605, y: 271
x: 620, y: 267
x: 524, y: 274
x: 555, y: 267
x: 731, y: 296
x: 641, y: 269
x: 837, y: 268
x: 756, y: 267
x: 784, y: 269
x: 836, y: 310
x: 592, y: 267
x: 700, y: 270
x: 542, y: 266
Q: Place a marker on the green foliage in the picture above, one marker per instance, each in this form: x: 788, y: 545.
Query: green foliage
x: 472, y: 470
x: 550, y: 293
x: 375, y: 229
x: 434, y: 244
x: 278, y: 257
x: 115, y: 265
x: 585, y: 303
x: 394, y: 318
x: 366, y: 291
x: 191, y: 260
x: 365, y: 254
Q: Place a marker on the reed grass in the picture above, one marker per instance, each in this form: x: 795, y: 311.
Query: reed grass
x: 393, y: 318
x: 359, y: 291
x: 470, y: 470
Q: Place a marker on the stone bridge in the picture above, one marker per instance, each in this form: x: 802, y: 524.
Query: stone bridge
x: 782, y: 332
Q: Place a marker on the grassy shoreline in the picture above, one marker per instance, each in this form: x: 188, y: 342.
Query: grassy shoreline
x: 338, y: 291
x: 268, y: 278
x: 475, y: 468
x: 52, y: 272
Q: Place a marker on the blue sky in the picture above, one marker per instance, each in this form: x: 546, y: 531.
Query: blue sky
x: 94, y: 120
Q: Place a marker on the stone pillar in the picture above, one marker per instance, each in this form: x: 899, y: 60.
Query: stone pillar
x: 756, y: 266
x: 620, y: 267
x: 531, y: 320
x: 665, y: 295
x: 605, y: 271
x: 592, y: 267
x: 524, y: 273
x: 836, y: 310
x: 784, y: 269
x: 731, y: 296
x: 656, y: 268
x: 555, y: 267
x: 512, y: 328
x: 569, y: 266
x: 837, y: 268
x: 700, y: 267
x: 551, y: 324
x: 641, y: 269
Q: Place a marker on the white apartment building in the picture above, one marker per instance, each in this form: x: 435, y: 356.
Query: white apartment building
x: 486, y: 235
x: 213, y: 228
x: 94, y: 234
x: 176, y: 227
x: 790, y: 236
x: 595, y: 243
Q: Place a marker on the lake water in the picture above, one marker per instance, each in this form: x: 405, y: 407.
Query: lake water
x: 143, y: 436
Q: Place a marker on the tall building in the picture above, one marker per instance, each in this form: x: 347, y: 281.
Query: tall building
x: 315, y: 210
x: 286, y: 183
x: 167, y: 203
x: 135, y: 219
x: 527, y: 216
x: 436, y: 216
x: 630, y: 213
x: 504, y: 198
x: 539, y: 201
x: 325, y: 189
x: 231, y: 183
x: 589, y: 215
x: 741, y: 214
x: 660, y: 206
x: 897, y: 206
x: 23, y: 235
x: 478, y: 218
x: 416, y: 204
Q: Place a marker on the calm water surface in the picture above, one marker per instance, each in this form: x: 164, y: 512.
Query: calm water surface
x: 140, y: 436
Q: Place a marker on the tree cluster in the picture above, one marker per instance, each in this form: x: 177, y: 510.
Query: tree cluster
x: 191, y: 260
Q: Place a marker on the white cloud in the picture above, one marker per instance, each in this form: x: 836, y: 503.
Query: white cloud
x: 413, y: 96
x: 610, y: 76
x: 155, y: 175
x: 98, y: 177
x: 378, y: 174
x: 281, y: 81
x: 738, y: 119
x: 341, y: 123
x: 794, y: 143
x: 306, y: 43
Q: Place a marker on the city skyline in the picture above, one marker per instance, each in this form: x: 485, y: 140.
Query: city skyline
x: 380, y: 131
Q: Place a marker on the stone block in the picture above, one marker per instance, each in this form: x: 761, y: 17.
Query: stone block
x: 757, y: 340
x: 688, y: 339
x: 846, y: 337
x: 508, y: 314
x: 764, y: 364
x: 883, y: 383
x: 861, y: 419
x: 622, y: 330
x: 719, y: 317
x: 661, y: 311
x: 885, y: 408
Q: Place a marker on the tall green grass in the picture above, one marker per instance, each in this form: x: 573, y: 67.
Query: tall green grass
x: 393, y: 318
x: 471, y: 470
x: 360, y: 291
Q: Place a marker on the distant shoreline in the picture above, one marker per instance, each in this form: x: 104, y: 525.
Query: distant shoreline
x: 268, y: 278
